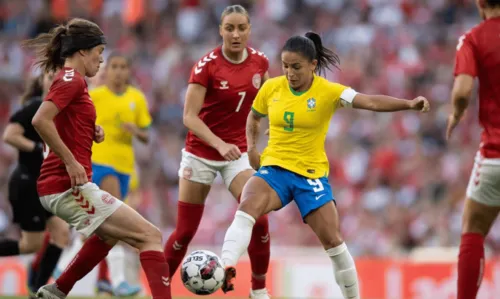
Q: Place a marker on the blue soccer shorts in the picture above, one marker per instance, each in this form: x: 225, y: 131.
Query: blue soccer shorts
x: 309, y: 194
x: 101, y: 171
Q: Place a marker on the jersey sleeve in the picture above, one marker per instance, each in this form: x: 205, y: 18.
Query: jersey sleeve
x: 200, y: 73
x: 65, y: 90
x: 260, y: 106
x: 465, y: 60
x: 343, y: 96
x: 143, y: 118
x: 25, y: 115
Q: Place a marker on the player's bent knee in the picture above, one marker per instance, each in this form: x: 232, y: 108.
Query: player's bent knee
x: 151, y: 238
x: 478, y: 218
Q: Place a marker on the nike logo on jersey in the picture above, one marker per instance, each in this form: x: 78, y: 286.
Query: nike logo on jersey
x: 319, y: 196
x: 203, y: 62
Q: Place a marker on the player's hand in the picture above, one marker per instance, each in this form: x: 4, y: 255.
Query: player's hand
x: 131, y: 128
x: 420, y: 104
x: 76, y: 173
x: 230, y: 152
x: 453, y: 121
x: 98, y: 134
x: 254, y: 158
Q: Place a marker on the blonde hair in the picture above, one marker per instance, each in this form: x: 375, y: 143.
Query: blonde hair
x: 234, y: 9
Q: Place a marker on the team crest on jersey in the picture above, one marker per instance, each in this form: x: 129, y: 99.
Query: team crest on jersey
x: 256, y: 80
x: 311, y: 105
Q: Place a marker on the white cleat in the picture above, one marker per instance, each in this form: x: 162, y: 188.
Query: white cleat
x: 50, y: 291
x: 259, y: 294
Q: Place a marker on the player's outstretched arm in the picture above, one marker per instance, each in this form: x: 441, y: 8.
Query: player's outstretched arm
x: 252, y: 132
x: 460, y: 96
x: 382, y: 103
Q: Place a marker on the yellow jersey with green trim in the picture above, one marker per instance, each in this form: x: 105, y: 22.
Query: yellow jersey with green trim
x: 298, y: 123
x: 113, y: 110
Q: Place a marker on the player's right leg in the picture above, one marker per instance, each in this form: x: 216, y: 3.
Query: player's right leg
x: 91, y: 210
x: 195, y: 178
x: 266, y: 191
x: 115, y: 282
x: 481, y: 209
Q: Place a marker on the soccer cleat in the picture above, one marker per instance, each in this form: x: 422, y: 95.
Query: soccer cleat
x: 124, y: 289
x: 230, y: 274
x: 103, y: 287
x: 50, y: 291
x: 259, y: 294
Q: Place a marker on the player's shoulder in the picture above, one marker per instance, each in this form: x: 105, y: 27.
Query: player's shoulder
x: 257, y: 55
x: 207, y: 60
x: 136, y: 93
x: 68, y: 77
x: 98, y: 91
x: 275, y: 83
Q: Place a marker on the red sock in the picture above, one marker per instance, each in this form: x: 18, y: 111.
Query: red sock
x: 259, y: 251
x: 470, y: 265
x: 103, y: 271
x: 188, y: 218
x: 92, y: 252
x: 38, y: 257
x: 156, y: 269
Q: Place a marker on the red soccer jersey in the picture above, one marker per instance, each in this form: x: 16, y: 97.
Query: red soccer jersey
x: 75, y: 124
x: 231, y: 89
x: 478, y: 55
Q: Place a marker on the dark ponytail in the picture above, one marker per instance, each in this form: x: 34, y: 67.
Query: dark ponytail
x: 312, y: 48
x: 48, y: 48
x: 33, y: 88
x: 53, y: 48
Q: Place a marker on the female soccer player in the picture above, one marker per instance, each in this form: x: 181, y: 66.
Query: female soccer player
x: 478, y: 56
x: 122, y: 112
x: 22, y: 190
x: 218, y: 100
x: 294, y: 165
x: 66, y: 122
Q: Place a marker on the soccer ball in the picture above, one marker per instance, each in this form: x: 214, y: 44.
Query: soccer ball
x: 202, y: 272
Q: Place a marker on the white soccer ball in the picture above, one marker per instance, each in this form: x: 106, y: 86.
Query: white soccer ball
x: 202, y: 272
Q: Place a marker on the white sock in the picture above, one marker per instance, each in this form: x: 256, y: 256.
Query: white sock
x: 237, y: 238
x: 116, y: 265
x: 70, y: 252
x: 345, y: 271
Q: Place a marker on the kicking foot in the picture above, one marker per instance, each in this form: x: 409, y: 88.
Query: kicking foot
x: 259, y: 294
x: 230, y: 274
x: 124, y: 289
x: 50, y: 291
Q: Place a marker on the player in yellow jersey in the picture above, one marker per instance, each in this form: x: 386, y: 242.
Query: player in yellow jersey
x: 294, y: 165
x: 122, y: 111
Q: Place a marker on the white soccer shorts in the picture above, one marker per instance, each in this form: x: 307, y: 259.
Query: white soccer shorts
x: 85, y: 207
x: 196, y: 169
x: 484, y: 182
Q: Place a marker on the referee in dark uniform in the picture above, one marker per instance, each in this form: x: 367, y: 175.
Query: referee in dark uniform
x: 27, y: 210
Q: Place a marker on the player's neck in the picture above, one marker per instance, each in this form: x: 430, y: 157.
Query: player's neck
x: 492, y: 13
x: 117, y: 88
x: 76, y: 65
x: 235, y: 58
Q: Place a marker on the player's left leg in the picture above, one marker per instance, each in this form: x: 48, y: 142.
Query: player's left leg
x: 236, y: 174
x: 481, y: 209
x: 59, y: 239
x: 316, y: 204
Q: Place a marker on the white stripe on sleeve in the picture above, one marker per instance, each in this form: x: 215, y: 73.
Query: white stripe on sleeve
x: 347, y: 97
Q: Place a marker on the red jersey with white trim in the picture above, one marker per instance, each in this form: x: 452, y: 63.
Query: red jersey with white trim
x: 75, y: 124
x: 478, y: 55
x: 231, y: 89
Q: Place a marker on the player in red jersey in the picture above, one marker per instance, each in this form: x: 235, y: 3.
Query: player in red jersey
x: 221, y: 90
x: 66, y: 123
x: 478, y: 55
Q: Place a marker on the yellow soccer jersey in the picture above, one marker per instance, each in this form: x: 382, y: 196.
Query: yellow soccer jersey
x: 112, y: 112
x: 298, y: 123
